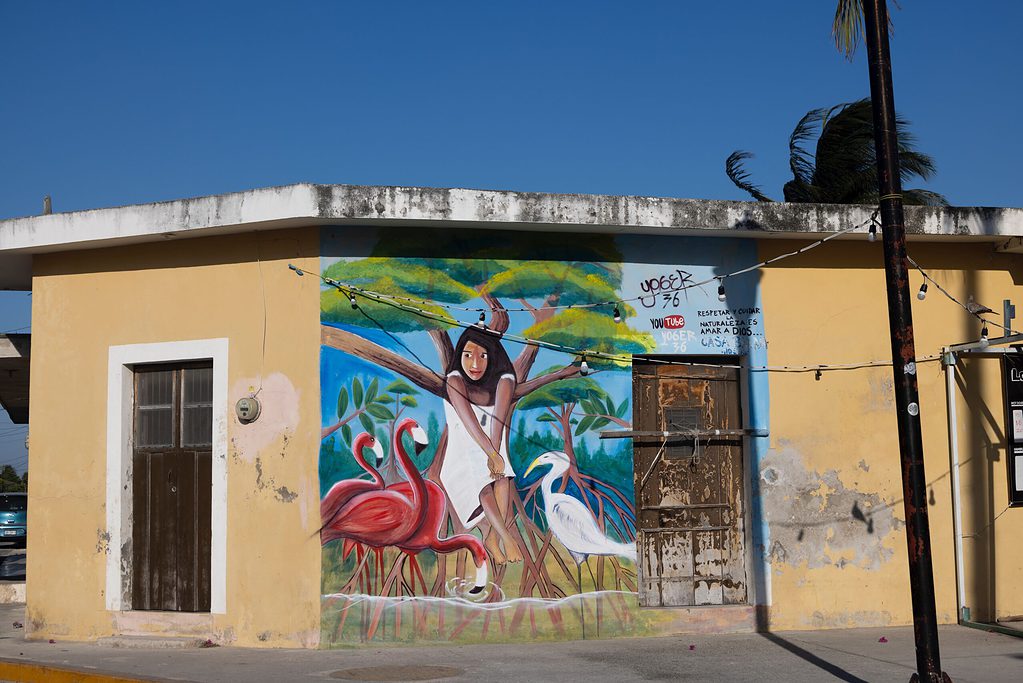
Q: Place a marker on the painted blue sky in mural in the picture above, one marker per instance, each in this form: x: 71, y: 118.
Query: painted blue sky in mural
x: 666, y: 303
x: 691, y: 321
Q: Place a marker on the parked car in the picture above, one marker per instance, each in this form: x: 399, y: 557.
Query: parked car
x: 13, y: 510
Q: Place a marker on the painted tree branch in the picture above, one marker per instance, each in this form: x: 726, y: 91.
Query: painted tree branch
x: 524, y: 363
x: 498, y: 315
x: 617, y: 420
x: 543, y: 380
x: 363, y: 348
x: 327, y: 431
x: 445, y: 349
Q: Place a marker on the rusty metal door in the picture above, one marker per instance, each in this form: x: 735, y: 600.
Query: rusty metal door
x: 689, y: 488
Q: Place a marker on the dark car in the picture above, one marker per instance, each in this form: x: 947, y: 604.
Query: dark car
x: 13, y: 509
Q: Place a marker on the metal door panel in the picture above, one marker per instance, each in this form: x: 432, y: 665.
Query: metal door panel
x: 689, y: 508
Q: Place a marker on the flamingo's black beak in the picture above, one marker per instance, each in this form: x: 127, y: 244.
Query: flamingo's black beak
x: 419, y: 439
x: 475, y: 589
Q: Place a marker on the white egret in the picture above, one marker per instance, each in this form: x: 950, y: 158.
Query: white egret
x: 570, y: 520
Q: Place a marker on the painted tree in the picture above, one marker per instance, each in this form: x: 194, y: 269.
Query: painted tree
x: 411, y: 265
x: 404, y: 397
x: 362, y: 402
x: 561, y: 403
x: 574, y: 272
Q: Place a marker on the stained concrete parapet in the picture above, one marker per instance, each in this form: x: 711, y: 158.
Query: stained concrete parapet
x: 304, y: 204
x: 308, y: 204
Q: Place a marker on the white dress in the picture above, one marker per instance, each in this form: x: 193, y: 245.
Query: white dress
x: 465, y: 471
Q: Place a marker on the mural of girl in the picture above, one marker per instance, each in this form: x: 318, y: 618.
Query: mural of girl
x: 477, y: 473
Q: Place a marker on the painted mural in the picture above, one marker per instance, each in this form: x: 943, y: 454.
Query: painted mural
x: 466, y: 494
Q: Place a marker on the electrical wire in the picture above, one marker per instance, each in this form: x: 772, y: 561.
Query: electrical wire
x: 351, y: 291
x: 951, y: 298
x: 624, y: 359
x: 598, y: 304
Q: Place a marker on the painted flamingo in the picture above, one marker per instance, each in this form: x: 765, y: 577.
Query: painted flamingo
x: 427, y: 536
x: 379, y: 518
x: 343, y: 491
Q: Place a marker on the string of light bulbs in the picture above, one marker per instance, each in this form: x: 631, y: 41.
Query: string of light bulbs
x: 615, y: 303
x: 921, y: 294
x: 583, y: 354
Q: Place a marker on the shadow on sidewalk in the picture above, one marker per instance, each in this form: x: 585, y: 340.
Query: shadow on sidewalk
x: 836, y: 671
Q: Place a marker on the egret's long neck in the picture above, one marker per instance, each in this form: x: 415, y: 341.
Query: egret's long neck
x: 557, y: 469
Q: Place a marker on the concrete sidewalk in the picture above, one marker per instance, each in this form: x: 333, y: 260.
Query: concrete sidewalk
x: 968, y: 656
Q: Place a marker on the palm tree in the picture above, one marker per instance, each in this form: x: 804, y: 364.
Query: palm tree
x: 842, y: 169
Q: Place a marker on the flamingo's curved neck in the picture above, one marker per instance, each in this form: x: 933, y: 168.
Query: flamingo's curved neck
x: 369, y: 469
x: 415, y: 479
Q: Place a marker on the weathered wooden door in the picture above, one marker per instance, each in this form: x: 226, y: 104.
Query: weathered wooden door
x: 689, y: 489
x: 171, y: 488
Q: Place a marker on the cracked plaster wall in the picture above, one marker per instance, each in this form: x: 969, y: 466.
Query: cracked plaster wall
x: 832, y: 475
x: 817, y: 520
x: 233, y: 287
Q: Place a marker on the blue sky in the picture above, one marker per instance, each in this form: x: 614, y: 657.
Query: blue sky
x: 116, y: 103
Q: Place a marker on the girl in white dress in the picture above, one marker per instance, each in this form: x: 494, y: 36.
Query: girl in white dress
x: 476, y: 472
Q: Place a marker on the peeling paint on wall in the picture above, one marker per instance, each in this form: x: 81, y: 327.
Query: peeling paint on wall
x: 881, y: 396
x: 278, y: 416
x: 815, y: 519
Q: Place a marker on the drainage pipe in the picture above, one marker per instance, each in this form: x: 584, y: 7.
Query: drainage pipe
x: 949, y: 360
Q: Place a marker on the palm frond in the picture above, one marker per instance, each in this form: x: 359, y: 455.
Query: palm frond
x: 847, y: 28
x: 798, y: 192
x: 802, y: 162
x: 738, y: 174
x: 914, y: 164
x: 845, y: 151
x: 923, y: 198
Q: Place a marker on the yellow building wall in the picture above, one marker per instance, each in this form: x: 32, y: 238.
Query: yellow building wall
x: 233, y: 286
x: 831, y: 482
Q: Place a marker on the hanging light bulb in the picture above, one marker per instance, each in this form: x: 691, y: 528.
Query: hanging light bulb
x: 922, y: 294
x: 872, y: 232
x: 983, y: 336
x: 483, y: 317
x: 584, y: 367
x: 351, y: 299
x: 617, y: 315
x: 721, y: 292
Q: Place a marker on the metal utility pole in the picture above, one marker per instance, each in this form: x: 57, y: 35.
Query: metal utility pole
x: 900, y: 318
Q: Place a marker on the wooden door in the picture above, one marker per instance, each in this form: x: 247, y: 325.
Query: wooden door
x: 171, y: 488
x: 689, y: 489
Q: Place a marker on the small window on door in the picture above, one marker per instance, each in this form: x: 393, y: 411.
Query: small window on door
x: 171, y: 487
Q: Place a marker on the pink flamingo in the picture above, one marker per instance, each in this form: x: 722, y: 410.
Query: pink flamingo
x: 379, y: 518
x: 343, y: 491
x: 427, y: 536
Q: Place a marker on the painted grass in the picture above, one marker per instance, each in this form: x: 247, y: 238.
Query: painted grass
x: 419, y: 607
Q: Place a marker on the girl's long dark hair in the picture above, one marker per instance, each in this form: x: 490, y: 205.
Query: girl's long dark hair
x: 482, y: 392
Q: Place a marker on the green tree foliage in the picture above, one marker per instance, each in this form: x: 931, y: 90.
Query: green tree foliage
x: 11, y: 481
x: 842, y: 169
x: 360, y: 401
x: 562, y: 270
x: 559, y: 401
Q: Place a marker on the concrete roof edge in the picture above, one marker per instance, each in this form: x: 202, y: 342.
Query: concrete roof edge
x: 312, y: 204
